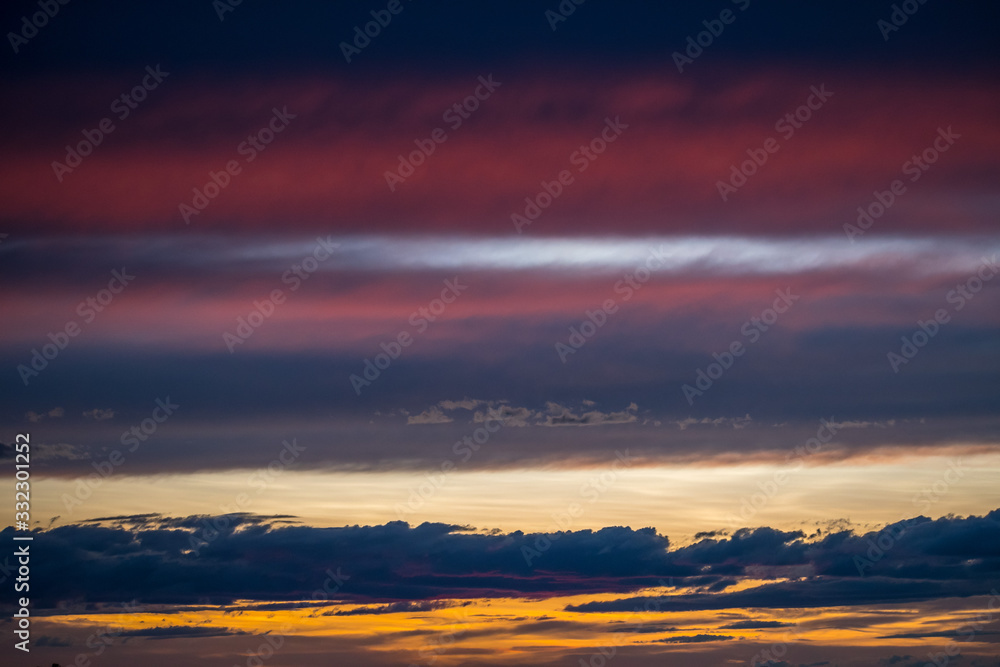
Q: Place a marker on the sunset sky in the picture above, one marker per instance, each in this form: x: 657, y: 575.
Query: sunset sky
x: 528, y: 333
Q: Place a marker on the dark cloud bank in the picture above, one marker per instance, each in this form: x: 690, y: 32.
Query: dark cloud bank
x: 202, y: 559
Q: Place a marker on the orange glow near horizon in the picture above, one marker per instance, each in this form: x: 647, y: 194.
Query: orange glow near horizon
x: 526, y: 629
x: 517, y: 499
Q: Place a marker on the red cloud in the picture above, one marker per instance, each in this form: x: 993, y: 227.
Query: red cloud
x: 327, y: 169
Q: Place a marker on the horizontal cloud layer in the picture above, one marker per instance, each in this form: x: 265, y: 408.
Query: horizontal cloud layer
x: 239, y: 556
x: 682, y: 137
x: 248, y: 257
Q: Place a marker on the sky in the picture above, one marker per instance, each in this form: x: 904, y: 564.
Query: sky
x: 412, y: 333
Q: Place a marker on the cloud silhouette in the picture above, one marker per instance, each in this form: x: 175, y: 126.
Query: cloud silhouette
x: 160, y: 559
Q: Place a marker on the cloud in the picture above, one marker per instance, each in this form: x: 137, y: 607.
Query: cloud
x: 710, y: 533
x: 46, y: 640
x: 390, y: 443
x: 59, y: 451
x: 735, y: 422
x: 396, y: 608
x: 646, y: 629
x: 558, y: 415
x: 889, y: 423
x: 965, y: 633
x: 175, y: 631
x: 755, y: 625
x: 244, y: 556
x: 464, y: 404
x: 853, y: 306
x: 432, y: 415
x: 694, y: 639
x: 554, y: 414
x: 805, y: 594
x: 511, y: 416
x: 54, y: 413
x: 550, y: 112
x: 98, y: 414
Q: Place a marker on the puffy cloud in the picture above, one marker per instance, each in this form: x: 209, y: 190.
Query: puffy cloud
x: 464, y: 404
x: 511, y: 416
x: 432, y: 415
x: 185, y: 559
